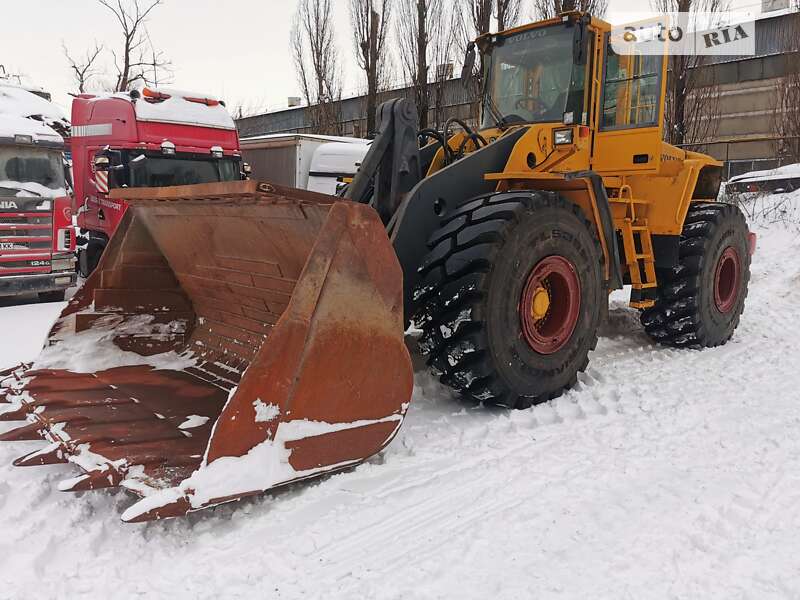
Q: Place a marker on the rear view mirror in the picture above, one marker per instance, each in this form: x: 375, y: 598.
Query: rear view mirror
x: 579, y: 43
x: 469, y: 65
x: 101, y: 163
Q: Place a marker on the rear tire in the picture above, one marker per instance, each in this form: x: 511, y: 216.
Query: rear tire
x: 701, y: 300
x: 479, y: 282
x: 55, y: 296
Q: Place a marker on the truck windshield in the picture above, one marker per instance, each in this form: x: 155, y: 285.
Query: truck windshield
x: 530, y: 77
x: 152, y: 171
x: 30, y: 172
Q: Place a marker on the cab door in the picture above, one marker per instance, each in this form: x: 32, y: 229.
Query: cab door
x: 630, y: 113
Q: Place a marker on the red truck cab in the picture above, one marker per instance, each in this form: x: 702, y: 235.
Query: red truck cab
x: 37, y: 241
x: 143, y: 138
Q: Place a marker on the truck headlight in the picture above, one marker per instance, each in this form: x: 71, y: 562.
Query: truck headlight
x: 562, y: 137
x: 63, y: 264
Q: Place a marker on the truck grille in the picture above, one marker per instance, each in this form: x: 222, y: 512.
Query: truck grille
x: 26, y: 235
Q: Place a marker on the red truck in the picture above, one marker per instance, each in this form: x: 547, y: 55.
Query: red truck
x: 143, y: 138
x: 37, y: 241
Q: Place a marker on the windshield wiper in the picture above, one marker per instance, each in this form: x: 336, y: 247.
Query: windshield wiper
x: 19, y: 189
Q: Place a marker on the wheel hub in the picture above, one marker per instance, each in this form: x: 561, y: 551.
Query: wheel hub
x: 550, y: 305
x: 540, y: 304
x: 727, y: 280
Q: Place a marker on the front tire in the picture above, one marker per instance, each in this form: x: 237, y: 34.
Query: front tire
x: 511, y: 297
x: 701, y: 300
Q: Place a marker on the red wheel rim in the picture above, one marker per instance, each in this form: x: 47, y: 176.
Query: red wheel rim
x: 727, y: 278
x: 550, y: 305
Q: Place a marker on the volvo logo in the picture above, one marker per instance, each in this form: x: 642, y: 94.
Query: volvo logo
x: 8, y: 204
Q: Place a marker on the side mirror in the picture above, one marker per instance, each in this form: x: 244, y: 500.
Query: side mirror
x: 247, y: 170
x: 110, y: 162
x: 469, y: 64
x: 579, y: 43
x: 101, y: 163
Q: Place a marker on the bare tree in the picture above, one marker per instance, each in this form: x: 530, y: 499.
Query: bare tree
x: 475, y: 21
x: 316, y: 60
x: 786, y: 118
x: 85, y: 69
x: 547, y: 9
x: 426, y: 31
x: 137, y: 60
x: 370, y: 21
x: 507, y: 12
x: 692, y: 105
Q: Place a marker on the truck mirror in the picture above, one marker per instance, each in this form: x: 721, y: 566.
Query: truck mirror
x: 101, y: 163
x: 579, y: 43
x: 247, y: 170
x: 469, y: 64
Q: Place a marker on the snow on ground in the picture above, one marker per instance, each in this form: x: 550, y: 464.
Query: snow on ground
x: 24, y: 324
x: 665, y: 474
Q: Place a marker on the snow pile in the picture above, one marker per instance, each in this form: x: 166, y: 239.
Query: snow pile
x: 265, y: 412
x: 19, y: 102
x: 785, y: 172
x: 13, y: 125
x: 94, y: 349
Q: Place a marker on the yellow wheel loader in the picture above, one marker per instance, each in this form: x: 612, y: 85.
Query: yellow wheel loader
x: 240, y: 336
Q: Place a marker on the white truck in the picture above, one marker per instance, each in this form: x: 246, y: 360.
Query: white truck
x: 318, y: 163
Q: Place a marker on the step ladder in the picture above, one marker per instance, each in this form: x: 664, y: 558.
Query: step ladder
x: 639, y: 255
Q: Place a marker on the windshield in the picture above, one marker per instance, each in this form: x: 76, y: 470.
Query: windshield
x: 531, y: 78
x: 158, y: 171
x: 34, y: 172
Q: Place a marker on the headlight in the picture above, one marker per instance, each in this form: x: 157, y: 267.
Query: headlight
x: 64, y: 264
x: 562, y: 137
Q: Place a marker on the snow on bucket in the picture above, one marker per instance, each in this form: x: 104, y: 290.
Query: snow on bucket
x: 235, y: 337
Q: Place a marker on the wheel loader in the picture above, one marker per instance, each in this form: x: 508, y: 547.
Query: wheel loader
x: 240, y: 336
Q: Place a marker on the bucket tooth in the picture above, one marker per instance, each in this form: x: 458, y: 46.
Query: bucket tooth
x: 52, y: 455
x: 143, y: 511
x: 23, y: 434
x: 94, y: 480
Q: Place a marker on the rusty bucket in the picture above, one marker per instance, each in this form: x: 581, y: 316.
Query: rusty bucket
x: 235, y: 337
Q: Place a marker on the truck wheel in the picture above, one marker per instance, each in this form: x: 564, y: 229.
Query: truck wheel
x: 701, y: 300
x: 511, y: 297
x: 56, y: 296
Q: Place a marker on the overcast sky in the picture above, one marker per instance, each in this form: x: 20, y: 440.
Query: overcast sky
x: 236, y: 49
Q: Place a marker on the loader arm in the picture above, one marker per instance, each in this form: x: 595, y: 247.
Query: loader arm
x: 412, y: 206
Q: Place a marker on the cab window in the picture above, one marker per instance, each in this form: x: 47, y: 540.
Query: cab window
x: 631, y: 90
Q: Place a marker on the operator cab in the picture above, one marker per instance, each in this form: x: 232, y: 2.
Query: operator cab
x: 536, y: 76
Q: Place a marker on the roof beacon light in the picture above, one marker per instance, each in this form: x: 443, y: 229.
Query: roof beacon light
x: 154, y: 96
x: 206, y: 101
x: 167, y: 147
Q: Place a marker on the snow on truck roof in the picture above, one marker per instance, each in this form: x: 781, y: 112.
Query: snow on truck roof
x: 166, y: 105
x: 25, y: 113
